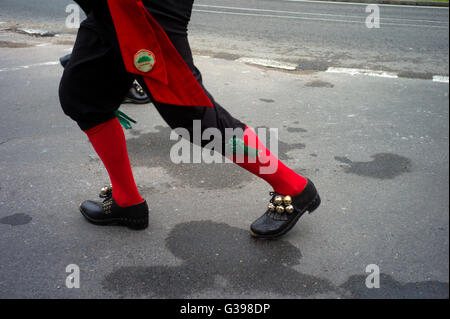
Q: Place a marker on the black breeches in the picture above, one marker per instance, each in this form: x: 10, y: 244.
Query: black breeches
x: 95, y: 82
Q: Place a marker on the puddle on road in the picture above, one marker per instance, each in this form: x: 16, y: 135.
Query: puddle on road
x: 383, y: 166
x: 296, y: 130
x: 227, y: 259
x: 319, y: 84
x: 222, y: 257
x: 14, y: 45
x: 16, y: 220
x: 153, y: 150
x: 393, y: 289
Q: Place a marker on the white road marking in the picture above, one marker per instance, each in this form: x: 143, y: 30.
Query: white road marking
x: 440, y: 78
x: 269, y: 63
x: 313, y: 13
x: 352, y: 71
x: 316, y: 19
x: 273, y: 16
x: 365, y: 4
x: 348, y: 71
x: 34, y: 31
x: 24, y: 67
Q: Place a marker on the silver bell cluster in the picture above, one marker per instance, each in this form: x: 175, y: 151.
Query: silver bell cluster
x: 281, y: 204
x: 106, y: 191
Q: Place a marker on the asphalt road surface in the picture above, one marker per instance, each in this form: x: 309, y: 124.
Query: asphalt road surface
x: 410, y: 40
x: 375, y: 146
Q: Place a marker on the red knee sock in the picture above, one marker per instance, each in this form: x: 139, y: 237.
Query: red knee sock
x: 268, y: 167
x: 109, y: 142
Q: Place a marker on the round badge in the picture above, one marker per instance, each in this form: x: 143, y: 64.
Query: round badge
x: 144, y: 60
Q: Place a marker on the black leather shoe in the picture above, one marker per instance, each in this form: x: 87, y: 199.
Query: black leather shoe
x: 64, y: 60
x: 283, y: 212
x: 109, y: 213
x: 136, y: 95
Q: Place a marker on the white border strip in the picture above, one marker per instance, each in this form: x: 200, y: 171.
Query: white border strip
x: 440, y: 79
x: 24, y: 67
x: 269, y: 63
x: 351, y: 71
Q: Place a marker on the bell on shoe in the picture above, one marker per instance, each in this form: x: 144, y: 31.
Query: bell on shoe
x: 283, y: 212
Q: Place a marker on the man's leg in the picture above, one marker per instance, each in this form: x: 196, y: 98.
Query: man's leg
x: 109, y: 142
x: 297, y: 193
x: 95, y: 67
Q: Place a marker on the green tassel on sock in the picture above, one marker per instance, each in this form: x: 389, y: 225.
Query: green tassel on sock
x: 125, y: 120
x: 237, y: 146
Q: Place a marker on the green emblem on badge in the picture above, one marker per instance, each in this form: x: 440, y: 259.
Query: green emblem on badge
x: 144, y: 60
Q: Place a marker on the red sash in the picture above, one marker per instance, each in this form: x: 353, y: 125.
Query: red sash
x: 147, y: 51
